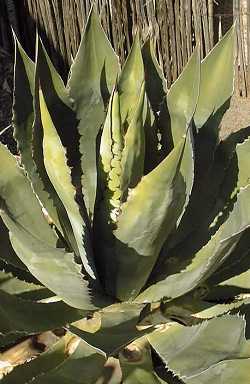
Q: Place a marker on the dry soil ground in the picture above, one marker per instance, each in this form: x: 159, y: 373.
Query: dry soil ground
x: 237, y: 117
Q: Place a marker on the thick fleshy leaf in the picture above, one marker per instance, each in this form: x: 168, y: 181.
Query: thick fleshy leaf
x: 130, y: 82
x: 66, y: 158
x: 242, y: 151
x: 54, y: 267
x: 93, y: 75
x: 189, y: 351
x: 34, y: 241
x: 59, y: 172
x: 20, y: 273
x: 208, y: 258
x: 217, y: 87
x: 111, y: 147
x: 132, y: 162
x: 225, y: 372
x: 109, y: 199
x: 181, y: 104
x: 211, y: 310
x: 190, y: 310
x: 23, y: 101
x: 46, y: 361
x: 7, y: 253
x: 19, y: 201
x: 156, y: 89
x: 234, y: 274
x: 212, y: 103
x: 146, y: 220
x: 183, y: 96
x: 38, y: 155
x: 14, y: 286
x: 57, y: 83
x: 154, y: 151
x: 113, y: 328
x: 156, y: 86
x: 25, y: 316
x: 119, y: 168
x: 210, y: 195
x: 23, y: 112
x: 137, y: 366
x: 85, y: 364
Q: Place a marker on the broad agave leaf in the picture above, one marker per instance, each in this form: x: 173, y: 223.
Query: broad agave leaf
x: 7, y: 254
x: 57, y: 163
x: 183, y: 96
x: 103, y: 231
x: 32, y: 238
x: 130, y: 82
x: 27, y: 317
x: 114, y: 327
x: 155, y: 83
x: 138, y: 244
x: 225, y: 372
x: 208, y: 258
x: 21, y: 204
x: 242, y: 151
x: 137, y: 365
x: 213, y: 98
x: 23, y: 117
x: 92, y: 77
x: 155, y: 137
x: 11, y: 284
x: 133, y: 154
x: 57, y: 366
x: 191, y: 351
x: 207, y: 118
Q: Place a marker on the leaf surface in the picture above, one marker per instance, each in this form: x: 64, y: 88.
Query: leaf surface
x: 18, y: 315
x: 32, y: 238
x: 147, y: 218
x: 219, y: 64
x: 23, y: 110
x: 183, y: 96
x: 56, y: 366
x: 208, y: 258
x: 132, y: 162
x: 115, y: 327
x: 140, y: 371
x: 93, y: 75
x: 130, y: 82
x: 189, y: 351
x: 55, y: 161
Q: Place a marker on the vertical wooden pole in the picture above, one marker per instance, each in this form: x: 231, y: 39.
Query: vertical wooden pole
x: 183, y: 31
x: 204, y: 19
x: 189, y: 32
x: 172, y: 38
x: 178, y: 36
x: 248, y: 46
x: 242, y: 51
x: 211, y: 21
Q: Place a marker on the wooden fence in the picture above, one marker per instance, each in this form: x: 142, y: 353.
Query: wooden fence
x: 174, y: 25
x: 242, y: 16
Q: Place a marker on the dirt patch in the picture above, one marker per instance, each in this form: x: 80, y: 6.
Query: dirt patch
x: 237, y: 117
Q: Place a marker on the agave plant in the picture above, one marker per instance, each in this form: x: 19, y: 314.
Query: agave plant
x: 125, y: 219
